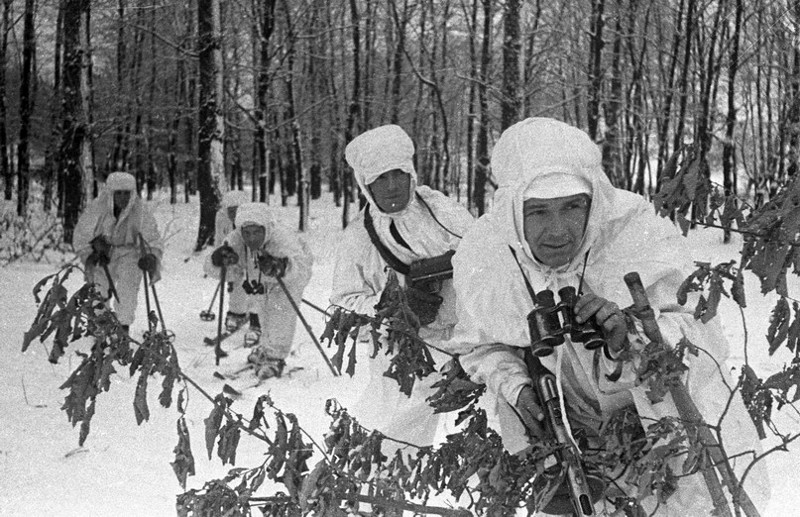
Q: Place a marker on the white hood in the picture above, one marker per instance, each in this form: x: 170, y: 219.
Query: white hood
x: 255, y: 213
x: 378, y: 150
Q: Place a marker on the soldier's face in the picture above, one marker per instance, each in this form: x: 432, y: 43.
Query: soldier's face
x: 121, y: 199
x: 254, y: 236
x: 391, y: 190
x: 554, y: 227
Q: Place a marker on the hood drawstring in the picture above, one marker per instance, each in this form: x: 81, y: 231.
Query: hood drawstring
x: 562, y: 405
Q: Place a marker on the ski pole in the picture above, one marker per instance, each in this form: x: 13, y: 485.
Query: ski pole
x: 207, y: 315
x: 144, y: 249
x: 307, y: 326
x: 218, y: 351
x: 317, y: 307
x: 111, y: 288
x: 688, y: 412
x: 147, y: 301
x: 158, y: 305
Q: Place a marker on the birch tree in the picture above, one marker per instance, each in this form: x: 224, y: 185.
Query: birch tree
x: 210, y: 161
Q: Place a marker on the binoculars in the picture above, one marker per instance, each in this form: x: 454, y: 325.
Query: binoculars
x: 549, y: 322
x: 253, y: 287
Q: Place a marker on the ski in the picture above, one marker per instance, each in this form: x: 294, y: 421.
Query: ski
x: 236, y: 374
x: 212, y: 341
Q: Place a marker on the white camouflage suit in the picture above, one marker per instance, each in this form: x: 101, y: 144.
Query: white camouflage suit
x: 237, y: 298
x: 275, y: 312
x: 361, y: 273
x: 624, y: 235
x: 123, y: 233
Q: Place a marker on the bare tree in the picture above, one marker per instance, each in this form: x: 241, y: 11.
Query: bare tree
x: 263, y: 27
x: 482, y: 148
x: 5, y: 166
x: 211, y: 169
x: 595, y: 66
x: 51, y: 168
x: 74, y: 123
x: 26, y: 96
x: 511, y: 101
x: 303, y: 193
x: 354, y: 108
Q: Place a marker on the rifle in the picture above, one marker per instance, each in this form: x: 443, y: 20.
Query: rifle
x: 428, y: 274
x: 690, y: 415
x: 584, y: 490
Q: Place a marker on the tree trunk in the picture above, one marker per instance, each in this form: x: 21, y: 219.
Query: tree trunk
x: 511, y: 103
x: 296, y: 150
x: 473, y: 76
x: 210, y: 169
x: 397, y: 60
x: 612, y: 109
x: 117, y: 159
x: 683, y: 92
x: 26, y: 99
x: 51, y: 163
x: 87, y: 98
x: 595, y: 69
x: 150, y: 175
x: 729, y: 173
x: 482, y: 150
x: 263, y: 28
x: 353, y: 110
x: 665, y: 113
x: 315, y: 65
x: 74, y: 121
x: 190, y: 134
x: 5, y: 166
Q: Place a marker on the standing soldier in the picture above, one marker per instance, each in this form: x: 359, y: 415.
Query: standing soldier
x: 400, y: 225
x: 259, y: 255
x: 224, y: 224
x: 109, y: 238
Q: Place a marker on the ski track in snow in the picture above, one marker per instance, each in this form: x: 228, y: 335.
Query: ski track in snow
x: 124, y: 469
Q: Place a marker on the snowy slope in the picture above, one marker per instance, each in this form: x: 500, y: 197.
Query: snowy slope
x: 124, y: 469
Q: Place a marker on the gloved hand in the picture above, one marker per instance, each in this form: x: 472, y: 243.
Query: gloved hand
x: 425, y: 305
x: 273, y: 266
x: 148, y: 263
x: 224, y: 256
x: 97, y: 260
x: 101, y: 251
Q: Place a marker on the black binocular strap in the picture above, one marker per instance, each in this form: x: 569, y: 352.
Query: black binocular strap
x: 387, y: 255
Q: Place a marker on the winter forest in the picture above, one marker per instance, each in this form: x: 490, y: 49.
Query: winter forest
x: 695, y: 104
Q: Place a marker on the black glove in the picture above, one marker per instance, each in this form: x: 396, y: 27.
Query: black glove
x: 101, y: 245
x: 148, y: 263
x: 95, y: 259
x: 224, y: 256
x: 425, y: 305
x: 273, y: 266
x: 101, y: 251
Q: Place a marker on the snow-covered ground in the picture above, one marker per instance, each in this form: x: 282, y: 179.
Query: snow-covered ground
x: 124, y: 469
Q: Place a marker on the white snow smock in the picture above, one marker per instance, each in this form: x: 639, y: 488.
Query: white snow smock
x: 237, y: 298
x: 361, y: 274
x: 222, y: 223
x: 276, y: 314
x: 624, y: 235
x: 123, y: 233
